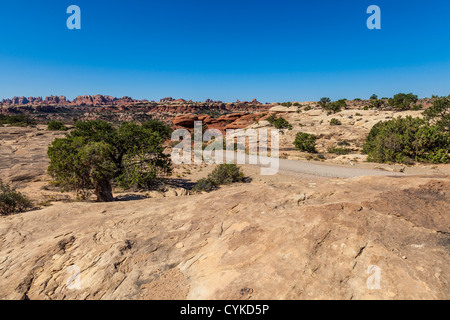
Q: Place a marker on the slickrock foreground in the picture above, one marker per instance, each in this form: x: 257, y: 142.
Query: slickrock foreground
x: 291, y: 240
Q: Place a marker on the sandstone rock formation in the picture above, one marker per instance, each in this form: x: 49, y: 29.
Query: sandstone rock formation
x: 237, y: 120
x: 283, y: 241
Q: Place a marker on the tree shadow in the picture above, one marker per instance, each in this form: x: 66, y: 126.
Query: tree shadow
x: 130, y: 197
x: 180, y: 183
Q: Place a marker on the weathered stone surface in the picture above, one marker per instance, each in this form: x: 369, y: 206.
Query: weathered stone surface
x: 211, y: 246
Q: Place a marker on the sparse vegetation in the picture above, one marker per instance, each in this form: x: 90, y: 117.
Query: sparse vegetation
x: 204, y: 184
x: 324, y: 102
x: 333, y: 107
x: 337, y: 106
x: 224, y: 174
x: 376, y: 103
x: 12, y: 201
x: 339, y: 150
x: 305, y: 142
x: 20, y: 120
x: 279, y: 123
x: 335, y: 122
x: 56, y: 126
x: 403, y: 101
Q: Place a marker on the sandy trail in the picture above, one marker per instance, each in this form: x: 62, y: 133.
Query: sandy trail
x: 304, y: 167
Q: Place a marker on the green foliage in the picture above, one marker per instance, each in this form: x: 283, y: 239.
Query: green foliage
x: 339, y: 150
x: 376, y: 103
x: 279, y: 123
x: 335, y: 122
x: 287, y: 104
x: 324, y: 102
x: 282, y: 123
x: 333, y: 107
x: 223, y: 174
x: 160, y: 127
x: 204, y: 184
x: 405, y: 139
x: 21, y: 120
x: 56, y: 126
x: 403, y: 101
x: 305, y: 142
x: 12, y: 201
x: 226, y: 173
x: 439, y: 113
x: 374, y: 97
x: 271, y: 118
x: 95, y: 154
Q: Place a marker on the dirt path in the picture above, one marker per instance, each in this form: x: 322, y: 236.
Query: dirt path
x: 311, y: 168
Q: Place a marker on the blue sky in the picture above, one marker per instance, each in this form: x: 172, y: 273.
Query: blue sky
x: 225, y: 49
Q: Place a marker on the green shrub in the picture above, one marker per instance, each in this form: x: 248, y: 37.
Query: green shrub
x: 405, y: 139
x: 339, y: 150
x: 439, y: 113
x: 403, y: 101
x: 282, y: 123
x: 305, y: 142
x: 337, y: 106
x: 226, y: 173
x: 205, y: 184
x: 96, y: 154
x: 376, y: 103
x: 12, y: 201
x: 56, y: 126
x: 333, y: 107
x: 335, y: 122
x: 374, y: 97
x: 223, y: 174
x: 279, y: 123
x: 324, y: 102
x: 17, y: 120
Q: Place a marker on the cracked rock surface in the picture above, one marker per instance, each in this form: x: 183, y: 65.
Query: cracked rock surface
x: 246, y: 241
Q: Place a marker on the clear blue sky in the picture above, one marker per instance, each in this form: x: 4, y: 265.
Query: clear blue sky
x: 225, y: 49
